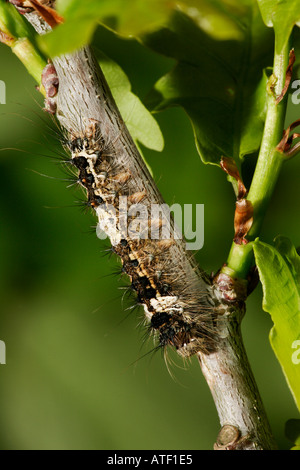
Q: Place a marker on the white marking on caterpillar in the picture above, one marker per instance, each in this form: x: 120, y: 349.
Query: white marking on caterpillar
x: 148, y: 314
x: 107, y: 222
x: 166, y: 303
x: 156, y: 267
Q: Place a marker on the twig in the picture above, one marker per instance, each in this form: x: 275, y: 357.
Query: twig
x: 84, y: 96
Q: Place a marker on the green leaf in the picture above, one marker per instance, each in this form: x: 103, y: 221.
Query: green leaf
x: 292, y: 432
x: 138, y: 16
x: 219, y: 83
x: 141, y: 124
x: 81, y: 19
x: 279, y: 274
x: 63, y: 39
x: 20, y: 36
x: 221, y: 48
x: 11, y: 22
x: 287, y: 249
x: 282, y: 15
x: 254, y: 117
x: 209, y: 16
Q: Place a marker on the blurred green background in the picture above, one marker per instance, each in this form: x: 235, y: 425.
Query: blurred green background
x: 74, y: 377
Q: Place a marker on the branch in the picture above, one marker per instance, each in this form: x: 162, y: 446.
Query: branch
x: 232, y: 384
x: 270, y: 159
x: 201, y: 320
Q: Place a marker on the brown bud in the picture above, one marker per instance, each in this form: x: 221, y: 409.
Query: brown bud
x: 285, y: 145
x: 6, y: 39
x: 47, y: 13
x: 23, y: 6
x: 243, y: 220
x: 50, y: 83
x: 229, y: 166
x: 288, y: 76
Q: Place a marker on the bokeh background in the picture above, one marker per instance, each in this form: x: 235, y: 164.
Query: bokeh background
x: 78, y: 375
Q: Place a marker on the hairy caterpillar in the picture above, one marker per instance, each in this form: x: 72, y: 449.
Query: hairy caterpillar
x: 176, y: 297
x: 175, y: 305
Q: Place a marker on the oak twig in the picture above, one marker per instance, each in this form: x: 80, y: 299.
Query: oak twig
x: 83, y: 96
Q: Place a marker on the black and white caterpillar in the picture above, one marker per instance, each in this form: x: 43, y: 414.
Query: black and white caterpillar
x: 177, y: 297
x: 163, y: 277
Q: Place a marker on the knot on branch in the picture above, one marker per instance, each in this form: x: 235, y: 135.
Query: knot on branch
x: 50, y: 83
x: 229, y: 438
x: 232, y: 290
